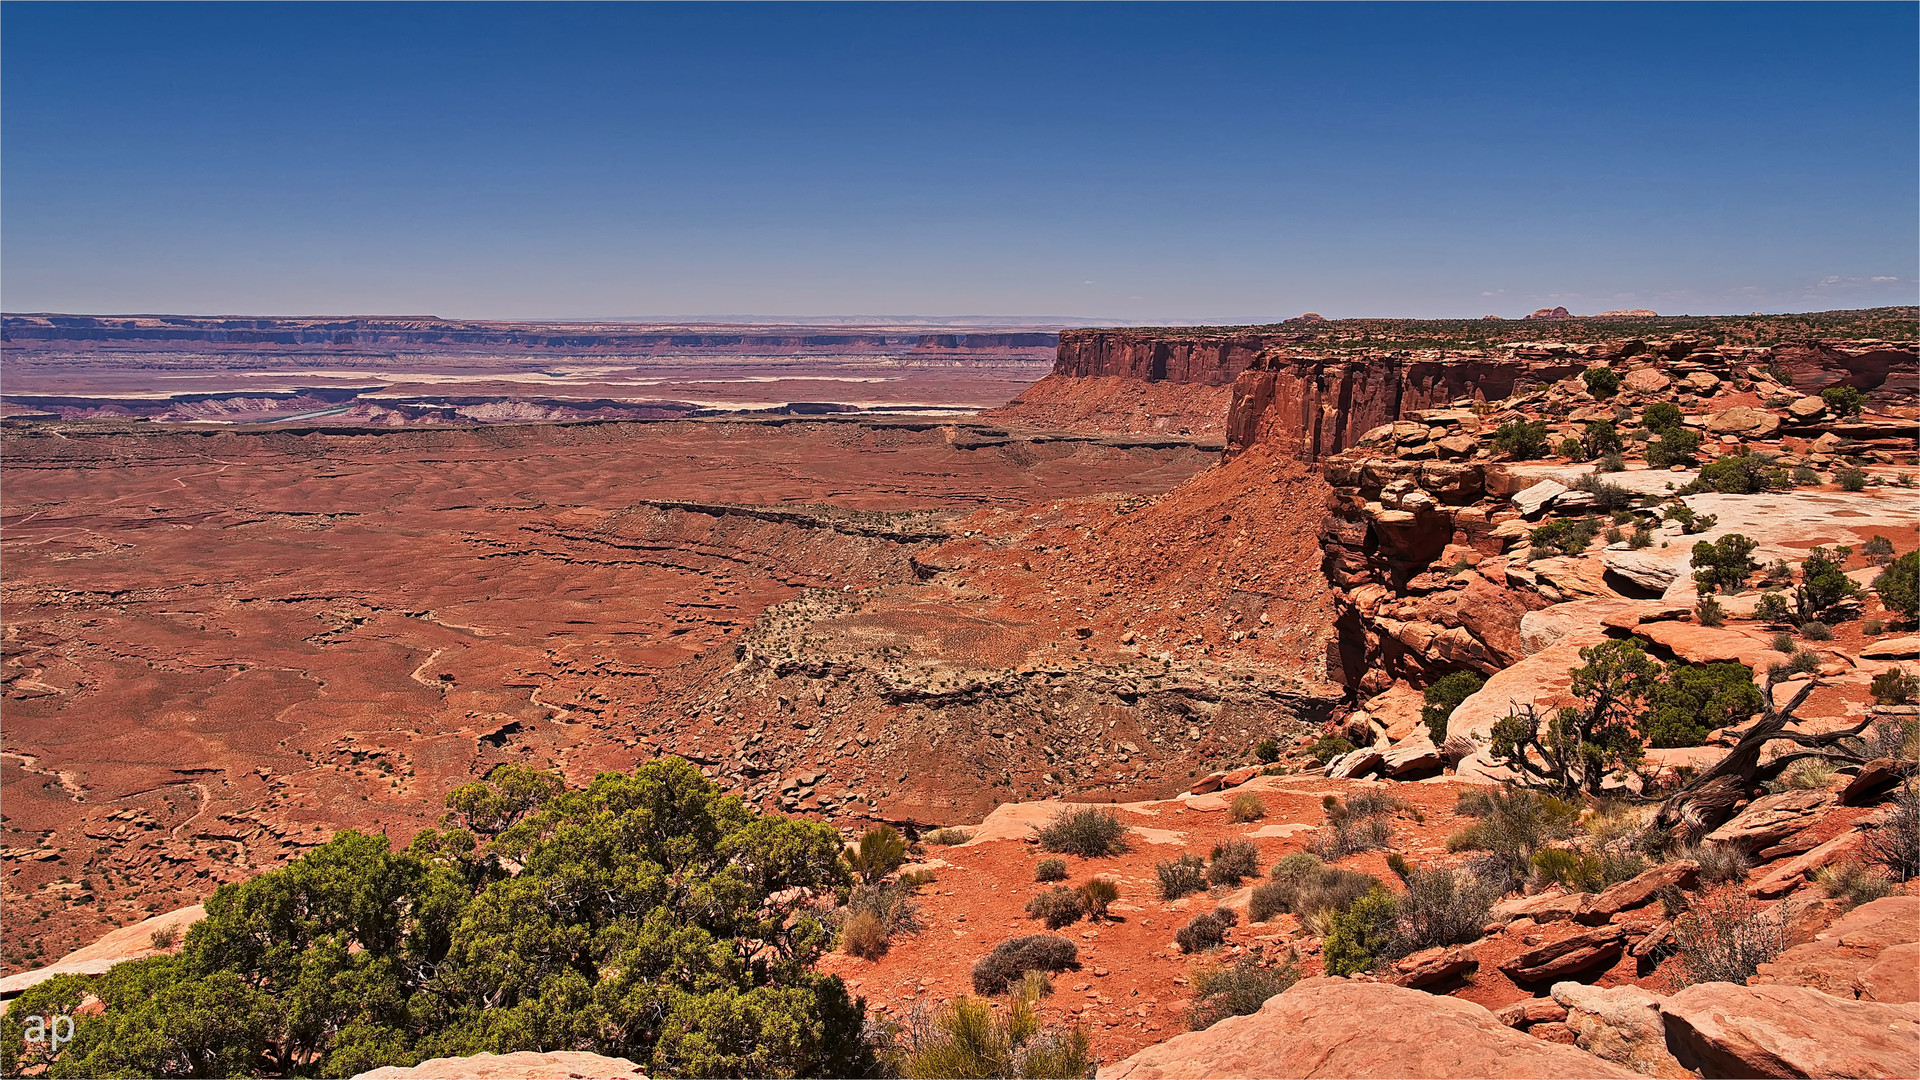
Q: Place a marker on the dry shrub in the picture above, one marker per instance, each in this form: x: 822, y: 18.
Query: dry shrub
x: 1852, y: 884
x: 1050, y: 870
x: 1895, y: 845
x: 1181, y: 876
x: 1810, y: 774
x: 1057, y: 907
x: 947, y: 837
x: 1236, y: 989
x: 1097, y: 894
x: 1232, y: 862
x: 1247, y: 807
x: 1719, y: 863
x: 1084, y: 831
x: 1725, y: 938
x: 1207, y: 930
x: 864, y: 935
x: 1011, y: 960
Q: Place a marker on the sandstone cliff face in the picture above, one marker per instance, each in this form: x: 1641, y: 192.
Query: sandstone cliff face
x: 1204, y: 356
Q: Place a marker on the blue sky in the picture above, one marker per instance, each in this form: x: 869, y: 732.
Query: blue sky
x: 1140, y: 163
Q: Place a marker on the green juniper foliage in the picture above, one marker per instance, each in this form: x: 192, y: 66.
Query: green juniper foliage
x: 652, y: 918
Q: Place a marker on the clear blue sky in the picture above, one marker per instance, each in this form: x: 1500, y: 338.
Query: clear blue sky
x: 1142, y: 163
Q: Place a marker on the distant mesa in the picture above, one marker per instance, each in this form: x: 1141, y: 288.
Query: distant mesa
x: 1629, y: 313
x: 1309, y: 317
x: 1551, y: 313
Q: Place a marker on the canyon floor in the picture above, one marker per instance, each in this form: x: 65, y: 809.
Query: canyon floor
x: 225, y: 642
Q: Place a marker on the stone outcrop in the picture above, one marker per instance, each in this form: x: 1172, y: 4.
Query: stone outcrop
x: 1338, y: 1028
x: 1871, y: 953
x: 1570, y: 955
x: 1621, y: 1024
x: 1719, y: 1029
x: 523, y: 1065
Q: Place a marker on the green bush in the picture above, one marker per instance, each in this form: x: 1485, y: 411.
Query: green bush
x: 1876, y: 547
x: 1010, y: 960
x: 1236, y: 989
x: 1267, y: 751
x: 1181, y: 876
x: 1601, y: 438
x: 1521, y: 439
x: 1824, y: 584
x: 1694, y: 699
x: 1207, y: 930
x: 1361, y: 935
x: 1444, y: 696
x: 1084, y: 831
x: 1676, y: 446
x: 1690, y: 522
x: 1329, y: 747
x: 1601, y: 382
x: 1050, y: 870
x: 1559, y: 866
x: 1607, y: 496
x: 1740, y: 474
x: 1725, y: 563
x: 355, y: 956
x: 1661, y: 417
x: 1850, y: 478
x: 1816, y: 631
x: 1304, y: 886
x: 1233, y: 861
x: 1843, y: 400
x: 1573, y: 449
x: 1570, y: 536
x: 1895, y: 686
x: 1510, y: 825
x: 1772, y: 608
x: 1898, y: 586
x: 882, y: 850
x: 964, y: 1039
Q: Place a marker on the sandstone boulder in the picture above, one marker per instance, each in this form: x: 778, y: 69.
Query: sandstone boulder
x: 1646, y: 381
x: 1412, y: 757
x: 1719, y: 1029
x: 523, y: 1065
x: 1870, y: 953
x: 1535, y: 499
x: 1743, y: 420
x: 1702, y: 382
x: 1771, y: 818
x: 1892, y: 648
x: 1639, y: 890
x: 133, y: 942
x: 1644, y: 568
x: 1789, y: 875
x: 1435, y: 965
x: 1621, y: 1024
x: 1806, y: 408
x: 1871, y: 780
x: 1359, y: 763
x: 1571, y: 955
x: 1543, y: 907
x: 1525, y: 1014
x: 1339, y: 1028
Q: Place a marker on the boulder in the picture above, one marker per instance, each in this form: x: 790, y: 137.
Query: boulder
x: 1639, y: 890
x: 1770, y: 819
x: 1646, y: 381
x: 1870, y: 954
x: 1702, y: 382
x: 1455, y: 446
x: 1620, y: 1024
x: 1412, y: 757
x: 1435, y: 965
x: 1743, y: 420
x: 1543, y: 907
x: 1806, y: 408
x: 1719, y: 1029
x: 1790, y: 874
x: 1325, y: 1027
x: 522, y: 1065
x: 1525, y: 1014
x: 1644, y: 568
x: 1535, y: 499
x: 1584, y: 951
x: 1359, y: 763
x: 1874, y: 776
x: 1207, y: 783
x: 1892, y: 648
x: 1397, y: 709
